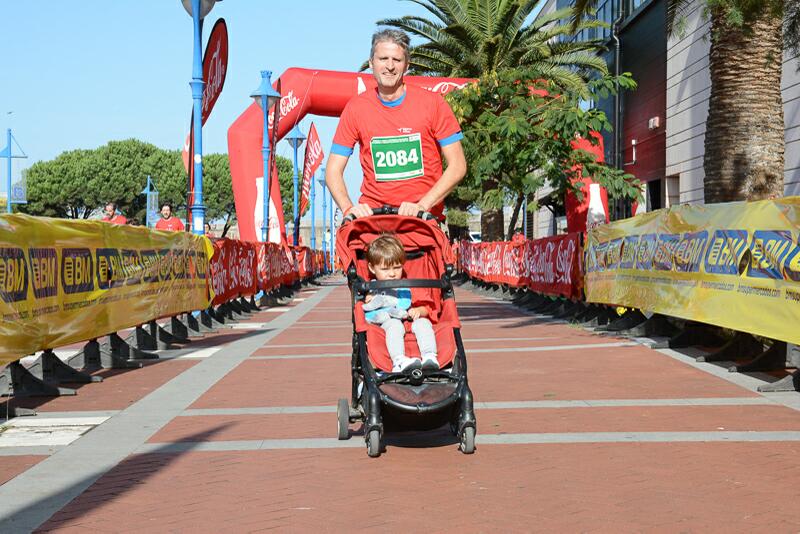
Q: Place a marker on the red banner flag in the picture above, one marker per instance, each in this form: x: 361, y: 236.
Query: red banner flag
x: 312, y: 161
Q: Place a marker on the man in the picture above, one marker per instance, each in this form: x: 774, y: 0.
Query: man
x: 167, y: 221
x: 111, y: 216
x: 402, y: 132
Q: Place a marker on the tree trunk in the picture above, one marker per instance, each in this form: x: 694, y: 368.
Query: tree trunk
x: 491, y: 220
x: 744, y: 141
x: 514, y: 216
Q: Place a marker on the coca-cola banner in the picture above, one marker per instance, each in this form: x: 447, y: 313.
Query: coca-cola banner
x: 305, y: 266
x: 549, y: 265
x: 233, y: 269
x: 311, y: 163
x: 277, y: 266
x: 552, y: 265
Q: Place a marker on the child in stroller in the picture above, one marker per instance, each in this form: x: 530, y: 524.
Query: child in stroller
x: 420, y: 398
x: 388, y: 307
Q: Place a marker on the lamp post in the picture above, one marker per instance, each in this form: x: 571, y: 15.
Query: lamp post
x: 295, y: 138
x: 198, y: 9
x: 333, y: 233
x: 265, y: 96
x: 324, y: 218
x: 313, y: 226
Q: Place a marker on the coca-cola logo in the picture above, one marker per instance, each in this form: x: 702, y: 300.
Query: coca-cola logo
x: 215, y: 66
x: 286, y: 105
x: 446, y: 87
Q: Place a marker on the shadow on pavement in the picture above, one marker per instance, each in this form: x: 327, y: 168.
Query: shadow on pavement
x: 50, y: 512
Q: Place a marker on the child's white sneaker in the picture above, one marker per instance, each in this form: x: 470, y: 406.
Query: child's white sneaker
x: 406, y: 365
x: 430, y: 363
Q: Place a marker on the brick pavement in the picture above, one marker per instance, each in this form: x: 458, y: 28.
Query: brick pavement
x: 529, y: 378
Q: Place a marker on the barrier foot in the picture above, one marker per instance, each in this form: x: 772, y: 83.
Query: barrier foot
x: 628, y: 321
x: 179, y: 329
x: 238, y: 309
x: 246, y: 306
x: 18, y: 381
x: 549, y: 307
x: 787, y: 383
x: 94, y: 356
x: 16, y: 411
x: 522, y: 297
x: 164, y: 339
x: 696, y: 334
x: 571, y: 310
x: 209, y: 319
x: 50, y: 369
x: 740, y: 346
x: 196, y: 327
x: 126, y: 348
x: 772, y: 359
x: 656, y: 326
x: 225, y: 313
x: 535, y: 300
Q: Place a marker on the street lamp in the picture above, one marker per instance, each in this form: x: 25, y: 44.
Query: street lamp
x: 198, y: 9
x: 313, y: 226
x: 324, y: 218
x: 295, y: 138
x: 265, y: 96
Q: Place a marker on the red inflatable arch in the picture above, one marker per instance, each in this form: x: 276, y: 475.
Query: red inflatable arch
x: 318, y: 92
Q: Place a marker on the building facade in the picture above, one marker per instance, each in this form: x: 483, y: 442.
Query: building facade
x: 659, y: 129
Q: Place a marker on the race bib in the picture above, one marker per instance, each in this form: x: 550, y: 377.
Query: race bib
x: 397, y: 157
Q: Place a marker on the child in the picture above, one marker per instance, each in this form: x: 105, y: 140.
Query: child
x: 385, y: 259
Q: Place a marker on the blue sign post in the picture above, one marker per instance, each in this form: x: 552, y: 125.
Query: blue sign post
x: 152, y: 203
x: 266, y: 97
x: 16, y: 194
x: 295, y: 138
x: 324, y: 218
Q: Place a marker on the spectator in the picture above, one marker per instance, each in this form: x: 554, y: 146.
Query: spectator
x: 208, y: 230
x: 111, y: 216
x: 167, y: 221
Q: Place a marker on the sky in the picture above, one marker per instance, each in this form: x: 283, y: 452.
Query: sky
x: 77, y: 74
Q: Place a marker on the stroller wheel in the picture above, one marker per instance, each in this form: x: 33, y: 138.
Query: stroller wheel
x: 343, y: 415
x: 374, y: 443
x: 467, y: 444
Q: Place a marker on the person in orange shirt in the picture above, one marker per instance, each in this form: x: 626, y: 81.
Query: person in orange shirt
x: 167, y: 221
x: 111, y: 216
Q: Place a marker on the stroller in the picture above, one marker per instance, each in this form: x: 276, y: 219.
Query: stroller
x: 421, y: 399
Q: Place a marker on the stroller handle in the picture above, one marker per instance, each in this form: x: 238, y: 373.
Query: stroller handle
x: 390, y: 210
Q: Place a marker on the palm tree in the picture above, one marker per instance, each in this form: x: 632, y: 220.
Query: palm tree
x: 475, y: 38
x: 744, y: 140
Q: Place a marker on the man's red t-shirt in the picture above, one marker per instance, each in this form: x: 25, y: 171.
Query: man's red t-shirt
x: 173, y: 223
x: 399, y: 144
x: 116, y: 219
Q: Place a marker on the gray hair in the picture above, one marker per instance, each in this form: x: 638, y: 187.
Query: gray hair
x: 388, y: 35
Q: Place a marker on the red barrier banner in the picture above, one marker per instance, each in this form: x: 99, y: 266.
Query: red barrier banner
x: 550, y: 265
x: 276, y: 266
x: 497, y: 262
x: 305, y: 263
x: 233, y: 269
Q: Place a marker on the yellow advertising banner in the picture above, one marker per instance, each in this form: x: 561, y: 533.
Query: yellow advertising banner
x: 64, y: 281
x: 735, y: 265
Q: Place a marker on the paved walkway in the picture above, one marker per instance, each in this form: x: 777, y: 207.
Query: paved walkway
x: 576, y: 433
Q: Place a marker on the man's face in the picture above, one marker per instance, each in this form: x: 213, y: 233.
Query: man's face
x: 166, y: 212
x: 391, y: 271
x: 109, y: 210
x: 388, y: 65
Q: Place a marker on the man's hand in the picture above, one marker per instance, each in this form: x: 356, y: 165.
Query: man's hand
x: 358, y: 210
x: 368, y: 298
x: 410, y: 209
x: 419, y: 311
